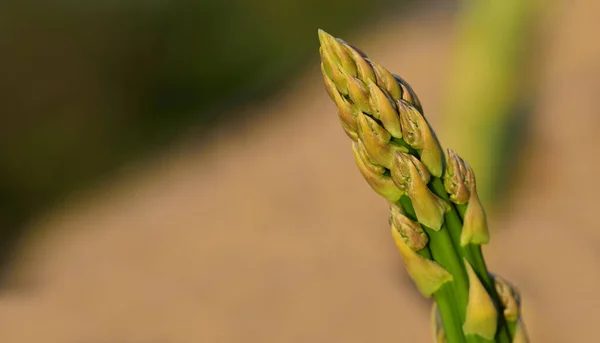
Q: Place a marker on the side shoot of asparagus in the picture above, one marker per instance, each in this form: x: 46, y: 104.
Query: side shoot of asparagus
x: 436, y: 217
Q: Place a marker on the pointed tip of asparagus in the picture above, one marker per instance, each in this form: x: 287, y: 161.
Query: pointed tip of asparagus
x: 327, y: 41
x: 323, y: 36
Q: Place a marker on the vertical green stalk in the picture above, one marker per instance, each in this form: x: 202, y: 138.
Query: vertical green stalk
x: 448, y: 304
x: 472, y: 253
x: 449, y: 314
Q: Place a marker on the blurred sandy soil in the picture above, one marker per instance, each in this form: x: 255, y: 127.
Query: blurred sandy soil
x: 267, y: 233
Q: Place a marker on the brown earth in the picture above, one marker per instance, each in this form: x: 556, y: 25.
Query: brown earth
x: 269, y: 234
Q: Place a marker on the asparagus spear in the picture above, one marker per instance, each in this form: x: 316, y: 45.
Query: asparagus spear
x: 436, y: 218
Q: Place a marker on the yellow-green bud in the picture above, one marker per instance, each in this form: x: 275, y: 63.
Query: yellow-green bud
x: 344, y: 59
x: 454, y: 181
x: 417, y: 133
x: 409, y: 230
x: 509, y: 297
x: 376, y: 140
x: 337, y: 52
x: 346, y: 111
x: 475, y: 229
x: 411, y: 122
x: 364, y: 71
x: 400, y: 170
x: 384, y: 109
x: 326, y: 63
x: 329, y: 85
x: 411, y: 177
x: 427, y: 274
x: 374, y: 175
x: 332, y: 70
x: 364, y: 155
x: 358, y: 93
x: 387, y: 81
x: 481, y: 318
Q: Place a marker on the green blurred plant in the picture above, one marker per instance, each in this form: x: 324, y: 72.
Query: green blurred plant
x: 489, y: 89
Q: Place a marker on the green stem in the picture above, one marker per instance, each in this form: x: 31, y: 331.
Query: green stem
x: 473, y: 254
x: 448, y: 312
x: 444, y: 297
x: 444, y: 253
x: 454, y: 223
x: 505, y: 332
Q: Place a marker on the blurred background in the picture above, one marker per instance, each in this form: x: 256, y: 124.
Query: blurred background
x: 173, y: 171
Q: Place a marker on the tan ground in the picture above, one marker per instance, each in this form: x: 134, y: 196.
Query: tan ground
x: 271, y: 235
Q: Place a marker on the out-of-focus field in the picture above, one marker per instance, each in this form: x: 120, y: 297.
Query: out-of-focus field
x: 266, y: 232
